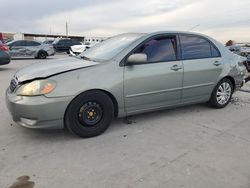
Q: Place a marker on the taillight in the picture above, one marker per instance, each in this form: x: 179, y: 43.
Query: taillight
x: 4, y: 47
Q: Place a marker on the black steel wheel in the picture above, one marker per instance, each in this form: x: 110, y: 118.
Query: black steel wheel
x: 89, y: 114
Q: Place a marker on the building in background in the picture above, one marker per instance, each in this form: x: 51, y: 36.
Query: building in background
x: 38, y: 37
x: 93, y: 40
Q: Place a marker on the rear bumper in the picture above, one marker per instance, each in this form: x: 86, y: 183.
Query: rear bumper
x: 38, y: 112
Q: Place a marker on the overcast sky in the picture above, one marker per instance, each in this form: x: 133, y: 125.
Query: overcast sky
x: 221, y: 19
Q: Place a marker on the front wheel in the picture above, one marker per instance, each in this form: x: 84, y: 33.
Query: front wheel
x: 222, y: 94
x: 42, y: 55
x: 89, y: 114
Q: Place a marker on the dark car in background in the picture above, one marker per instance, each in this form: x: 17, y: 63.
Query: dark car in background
x: 30, y: 48
x: 248, y: 63
x: 63, y: 45
x: 4, y: 55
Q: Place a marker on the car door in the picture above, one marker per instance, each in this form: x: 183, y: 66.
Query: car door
x: 202, y: 67
x: 61, y: 45
x: 32, y: 47
x: 158, y: 82
x: 65, y: 45
x: 17, y: 49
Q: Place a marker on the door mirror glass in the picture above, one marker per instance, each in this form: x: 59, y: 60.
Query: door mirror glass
x: 138, y: 58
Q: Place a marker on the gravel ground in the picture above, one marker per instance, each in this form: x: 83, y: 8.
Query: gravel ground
x: 192, y: 146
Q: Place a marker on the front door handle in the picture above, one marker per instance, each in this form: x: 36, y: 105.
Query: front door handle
x: 176, y: 67
x: 217, y: 63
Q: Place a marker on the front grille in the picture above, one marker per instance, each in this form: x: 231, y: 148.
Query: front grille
x: 13, y: 84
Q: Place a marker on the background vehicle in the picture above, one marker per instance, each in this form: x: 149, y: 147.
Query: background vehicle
x: 29, y: 48
x: 240, y: 49
x: 3, y: 47
x: 7, y: 40
x: 48, y: 41
x: 248, y: 63
x: 78, y: 49
x: 4, y: 55
x: 125, y: 75
x: 63, y: 45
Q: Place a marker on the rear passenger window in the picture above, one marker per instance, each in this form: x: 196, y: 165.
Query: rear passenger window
x: 18, y: 43
x: 32, y: 43
x: 194, y: 47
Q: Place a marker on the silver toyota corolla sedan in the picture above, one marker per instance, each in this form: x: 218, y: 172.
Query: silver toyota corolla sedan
x: 125, y: 75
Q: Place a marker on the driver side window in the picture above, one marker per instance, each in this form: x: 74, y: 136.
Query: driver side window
x: 160, y: 49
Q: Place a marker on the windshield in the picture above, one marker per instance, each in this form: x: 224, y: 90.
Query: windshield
x: 109, y: 48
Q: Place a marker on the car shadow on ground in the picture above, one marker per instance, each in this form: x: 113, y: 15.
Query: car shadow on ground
x: 6, y: 68
x: 117, y: 125
x: 120, y: 124
x: 29, y: 59
x: 157, y: 115
x: 47, y: 134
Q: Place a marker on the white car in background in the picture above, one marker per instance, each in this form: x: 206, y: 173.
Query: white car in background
x: 78, y: 49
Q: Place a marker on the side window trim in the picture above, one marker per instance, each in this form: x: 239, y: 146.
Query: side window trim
x: 178, y: 52
x: 20, y: 41
x: 215, y: 47
x: 210, y: 42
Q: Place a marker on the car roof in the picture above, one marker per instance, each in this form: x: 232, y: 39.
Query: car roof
x: 167, y: 32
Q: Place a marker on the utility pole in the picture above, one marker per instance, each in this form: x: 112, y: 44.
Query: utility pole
x: 67, y: 30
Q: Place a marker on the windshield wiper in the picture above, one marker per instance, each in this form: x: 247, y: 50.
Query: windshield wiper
x: 86, y: 58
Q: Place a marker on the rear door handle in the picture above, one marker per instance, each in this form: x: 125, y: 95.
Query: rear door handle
x: 217, y: 63
x: 176, y: 67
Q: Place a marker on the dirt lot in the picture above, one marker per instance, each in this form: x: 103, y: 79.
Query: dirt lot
x: 193, y: 146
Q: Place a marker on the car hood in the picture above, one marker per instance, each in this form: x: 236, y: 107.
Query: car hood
x: 52, y: 67
x: 78, y: 48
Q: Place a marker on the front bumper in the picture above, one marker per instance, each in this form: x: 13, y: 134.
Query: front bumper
x: 38, y: 112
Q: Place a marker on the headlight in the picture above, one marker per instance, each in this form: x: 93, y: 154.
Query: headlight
x: 37, y: 87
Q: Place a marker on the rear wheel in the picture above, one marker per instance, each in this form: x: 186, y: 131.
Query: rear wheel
x: 89, y: 114
x: 222, y: 94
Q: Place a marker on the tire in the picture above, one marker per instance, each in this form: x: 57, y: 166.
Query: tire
x: 221, y: 94
x: 89, y: 114
x: 42, y: 55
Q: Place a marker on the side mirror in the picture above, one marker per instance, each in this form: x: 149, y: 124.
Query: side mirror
x: 136, y: 59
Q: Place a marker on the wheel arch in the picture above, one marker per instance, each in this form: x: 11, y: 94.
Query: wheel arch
x: 232, y: 80
x: 111, y: 96
x: 42, y: 51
